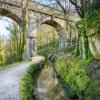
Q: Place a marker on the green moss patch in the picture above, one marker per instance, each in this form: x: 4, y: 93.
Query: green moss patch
x: 74, y: 72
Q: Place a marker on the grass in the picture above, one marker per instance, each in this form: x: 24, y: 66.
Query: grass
x: 27, y: 83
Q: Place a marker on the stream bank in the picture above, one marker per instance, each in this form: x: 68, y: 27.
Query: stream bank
x: 47, y: 85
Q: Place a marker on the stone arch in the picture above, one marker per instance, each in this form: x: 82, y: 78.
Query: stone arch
x: 54, y: 24
x: 11, y: 15
x: 60, y: 31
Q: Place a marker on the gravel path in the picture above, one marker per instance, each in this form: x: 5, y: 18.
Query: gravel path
x: 9, y: 80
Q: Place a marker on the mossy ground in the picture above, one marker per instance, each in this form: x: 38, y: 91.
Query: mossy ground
x: 76, y: 73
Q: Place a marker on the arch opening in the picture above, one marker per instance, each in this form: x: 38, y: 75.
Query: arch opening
x: 60, y: 31
x: 55, y: 25
x: 57, y: 40
x: 10, y: 39
x: 46, y: 34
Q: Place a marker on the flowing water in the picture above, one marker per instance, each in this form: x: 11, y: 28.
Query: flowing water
x: 48, y: 87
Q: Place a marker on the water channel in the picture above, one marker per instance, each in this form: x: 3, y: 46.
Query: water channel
x: 48, y: 87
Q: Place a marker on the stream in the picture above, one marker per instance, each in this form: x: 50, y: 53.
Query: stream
x: 47, y: 85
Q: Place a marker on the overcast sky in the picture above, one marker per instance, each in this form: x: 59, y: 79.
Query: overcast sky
x: 4, y: 22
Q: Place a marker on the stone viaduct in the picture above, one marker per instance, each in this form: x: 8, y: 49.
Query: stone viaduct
x: 37, y: 14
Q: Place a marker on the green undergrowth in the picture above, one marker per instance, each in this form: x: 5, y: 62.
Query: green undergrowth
x: 74, y: 72
x: 27, y: 83
x: 47, y: 49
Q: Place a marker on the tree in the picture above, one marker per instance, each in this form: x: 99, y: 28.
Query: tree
x: 89, y: 12
x: 24, y: 9
x: 14, y: 40
x: 64, y: 6
x: 2, y: 61
x: 82, y: 7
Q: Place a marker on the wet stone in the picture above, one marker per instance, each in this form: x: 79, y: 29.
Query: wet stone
x: 48, y: 87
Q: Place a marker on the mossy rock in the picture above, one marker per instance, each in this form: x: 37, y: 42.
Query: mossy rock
x: 94, y: 43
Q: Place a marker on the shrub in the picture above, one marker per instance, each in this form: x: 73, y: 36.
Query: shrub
x: 46, y: 51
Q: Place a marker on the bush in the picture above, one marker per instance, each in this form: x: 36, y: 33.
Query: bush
x: 46, y: 50
x: 27, y: 83
x: 75, y: 74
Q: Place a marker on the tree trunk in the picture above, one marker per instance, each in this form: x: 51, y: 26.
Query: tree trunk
x: 77, y: 52
x: 85, y: 45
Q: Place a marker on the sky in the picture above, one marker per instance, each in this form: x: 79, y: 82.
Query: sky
x: 43, y: 1
x: 4, y: 22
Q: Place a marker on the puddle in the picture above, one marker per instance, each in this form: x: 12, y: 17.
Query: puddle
x: 41, y: 90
